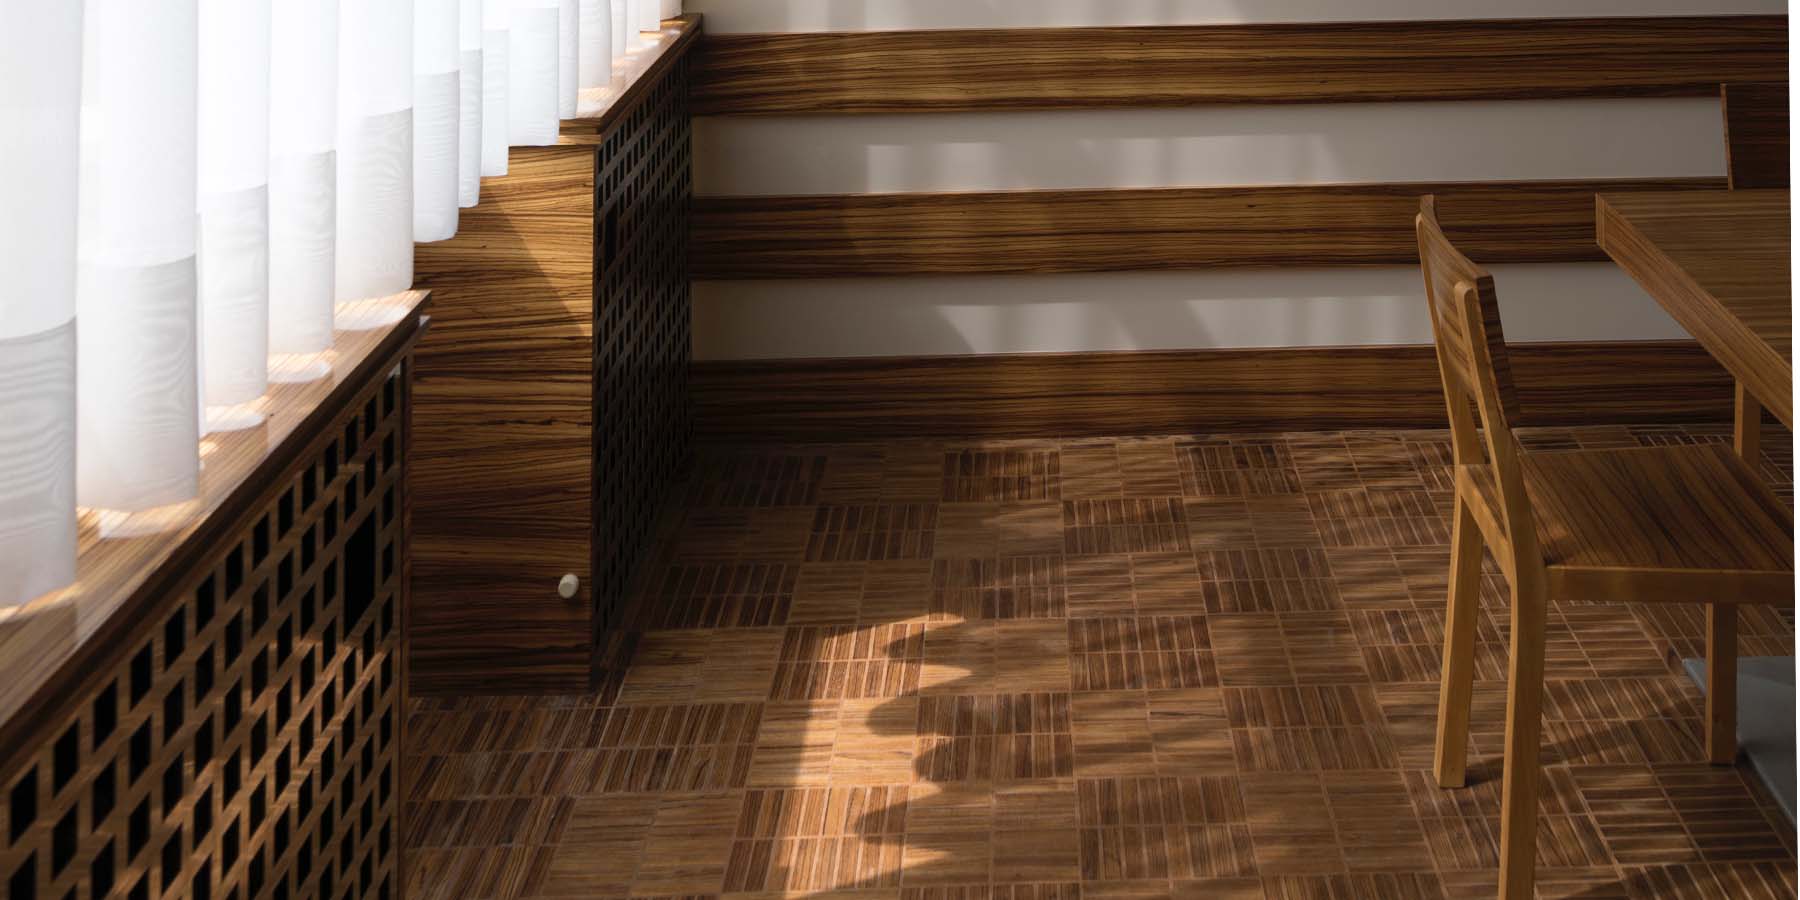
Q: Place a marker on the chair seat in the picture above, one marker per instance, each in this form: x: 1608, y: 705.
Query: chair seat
x: 1655, y: 510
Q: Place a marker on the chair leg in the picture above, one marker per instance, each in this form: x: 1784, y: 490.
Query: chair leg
x: 1721, y: 683
x: 1524, y: 711
x: 1458, y: 684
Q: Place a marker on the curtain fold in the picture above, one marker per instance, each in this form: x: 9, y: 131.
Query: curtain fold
x: 471, y: 100
x: 303, y: 84
x: 437, y: 105
x: 137, y: 374
x: 595, y: 38
x: 568, y: 53
x: 234, y: 200
x: 375, y: 149
x: 496, y: 87
x: 40, y: 95
x: 532, y: 85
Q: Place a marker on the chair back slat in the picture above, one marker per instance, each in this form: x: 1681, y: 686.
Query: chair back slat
x: 1756, y: 135
x: 1471, y: 348
x: 1445, y: 268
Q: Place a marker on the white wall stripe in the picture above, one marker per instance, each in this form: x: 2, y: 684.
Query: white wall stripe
x: 1146, y: 311
x: 1262, y: 145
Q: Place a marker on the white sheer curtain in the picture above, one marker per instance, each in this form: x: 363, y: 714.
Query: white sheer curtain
x: 468, y: 154
x: 437, y: 111
x: 496, y: 90
x: 207, y: 180
x: 568, y: 50
x: 40, y: 98
x: 375, y: 148
x: 596, y: 40
x: 234, y: 200
x: 137, y: 291
x: 303, y: 84
x: 532, y: 86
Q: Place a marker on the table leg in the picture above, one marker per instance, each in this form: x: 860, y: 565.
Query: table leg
x: 1721, y: 618
x: 1721, y: 683
x: 1747, y: 429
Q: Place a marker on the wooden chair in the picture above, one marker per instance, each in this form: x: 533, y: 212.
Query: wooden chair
x: 1756, y: 135
x: 1686, y: 524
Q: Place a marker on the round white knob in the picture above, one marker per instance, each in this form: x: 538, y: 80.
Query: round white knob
x: 567, y: 587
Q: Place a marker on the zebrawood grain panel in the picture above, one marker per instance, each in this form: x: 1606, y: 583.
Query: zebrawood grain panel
x: 1038, y: 395
x: 1042, y: 232
x: 237, y: 733
x: 505, y: 429
x: 1056, y: 68
x: 1756, y: 135
x: 553, y: 397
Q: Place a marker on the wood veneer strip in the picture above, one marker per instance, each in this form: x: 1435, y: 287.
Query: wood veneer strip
x: 1042, y: 232
x: 502, y: 466
x: 1057, y: 68
x: 1756, y: 135
x: 1079, y: 394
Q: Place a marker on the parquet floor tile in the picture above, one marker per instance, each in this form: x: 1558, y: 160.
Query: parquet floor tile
x: 1199, y: 667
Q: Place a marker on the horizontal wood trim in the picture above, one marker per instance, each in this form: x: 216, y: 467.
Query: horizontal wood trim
x: 1080, y: 394
x: 1056, y: 68
x: 1045, y: 232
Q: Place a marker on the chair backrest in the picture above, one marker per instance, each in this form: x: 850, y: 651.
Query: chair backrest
x: 1471, y: 351
x: 1756, y: 135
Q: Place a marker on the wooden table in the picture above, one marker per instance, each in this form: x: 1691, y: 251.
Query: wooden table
x: 1719, y: 262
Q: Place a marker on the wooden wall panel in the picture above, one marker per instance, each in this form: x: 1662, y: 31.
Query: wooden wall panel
x: 1757, y: 135
x: 505, y: 431
x: 1043, y: 232
x: 1054, y: 68
x: 1061, y: 395
x: 553, y: 410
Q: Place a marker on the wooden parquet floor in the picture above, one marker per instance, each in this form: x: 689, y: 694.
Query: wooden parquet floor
x: 1198, y: 667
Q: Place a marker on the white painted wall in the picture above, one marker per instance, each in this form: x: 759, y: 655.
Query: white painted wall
x: 740, y: 16
x: 1216, y: 146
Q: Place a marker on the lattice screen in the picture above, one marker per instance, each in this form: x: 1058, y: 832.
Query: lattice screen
x: 642, y: 331
x: 247, y: 746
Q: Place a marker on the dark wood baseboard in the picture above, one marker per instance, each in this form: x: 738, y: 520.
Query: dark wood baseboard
x: 1191, y: 391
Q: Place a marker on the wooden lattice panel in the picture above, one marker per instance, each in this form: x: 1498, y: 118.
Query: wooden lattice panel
x: 245, y: 743
x: 642, y: 330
